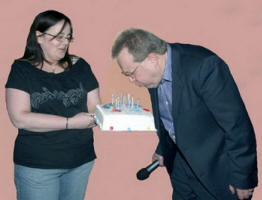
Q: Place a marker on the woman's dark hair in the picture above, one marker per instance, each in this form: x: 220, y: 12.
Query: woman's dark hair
x: 43, y: 21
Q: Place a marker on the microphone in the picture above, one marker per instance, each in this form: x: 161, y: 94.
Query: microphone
x: 144, y: 173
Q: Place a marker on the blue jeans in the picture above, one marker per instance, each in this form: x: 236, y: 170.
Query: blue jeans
x: 52, y: 184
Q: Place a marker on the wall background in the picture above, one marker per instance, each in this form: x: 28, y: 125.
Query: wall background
x: 231, y: 28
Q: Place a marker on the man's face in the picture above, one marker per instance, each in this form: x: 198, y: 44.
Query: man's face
x: 143, y: 74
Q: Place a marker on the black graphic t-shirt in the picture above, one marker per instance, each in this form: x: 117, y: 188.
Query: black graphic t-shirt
x: 63, y: 94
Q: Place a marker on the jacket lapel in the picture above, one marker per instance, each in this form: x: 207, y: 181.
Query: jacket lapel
x: 155, y: 106
x: 177, y: 85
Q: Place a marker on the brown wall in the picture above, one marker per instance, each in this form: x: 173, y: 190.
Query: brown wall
x: 231, y: 28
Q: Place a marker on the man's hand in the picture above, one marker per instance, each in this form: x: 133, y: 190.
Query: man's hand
x: 159, y: 158
x: 242, y: 193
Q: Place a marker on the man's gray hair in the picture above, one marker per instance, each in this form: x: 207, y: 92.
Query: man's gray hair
x: 139, y: 43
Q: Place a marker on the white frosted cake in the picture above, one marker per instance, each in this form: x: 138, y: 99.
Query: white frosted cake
x: 132, y: 117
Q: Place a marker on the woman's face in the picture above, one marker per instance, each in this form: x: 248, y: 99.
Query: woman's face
x: 54, y: 48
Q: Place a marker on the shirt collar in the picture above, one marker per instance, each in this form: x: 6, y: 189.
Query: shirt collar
x: 167, y: 74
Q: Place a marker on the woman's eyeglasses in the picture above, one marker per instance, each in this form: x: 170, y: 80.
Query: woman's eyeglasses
x: 60, y: 37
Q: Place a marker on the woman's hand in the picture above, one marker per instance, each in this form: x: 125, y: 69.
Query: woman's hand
x: 81, y: 121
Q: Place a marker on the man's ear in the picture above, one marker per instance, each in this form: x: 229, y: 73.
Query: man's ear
x: 153, y: 57
x: 39, y: 39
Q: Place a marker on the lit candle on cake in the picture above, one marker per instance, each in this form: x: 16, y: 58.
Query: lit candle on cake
x: 137, y: 103
x: 118, y: 104
x: 113, y: 99
x: 132, y: 102
x: 121, y: 99
x: 115, y: 105
x: 128, y: 101
x: 124, y: 100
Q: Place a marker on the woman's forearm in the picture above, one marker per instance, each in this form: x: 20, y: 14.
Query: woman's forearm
x: 38, y: 122
x: 22, y: 117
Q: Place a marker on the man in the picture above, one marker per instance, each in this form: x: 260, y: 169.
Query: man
x: 206, y: 139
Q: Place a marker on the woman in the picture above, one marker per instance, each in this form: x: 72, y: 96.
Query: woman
x: 50, y: 96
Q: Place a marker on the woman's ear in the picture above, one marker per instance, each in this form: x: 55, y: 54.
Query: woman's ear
x: 38, y: 37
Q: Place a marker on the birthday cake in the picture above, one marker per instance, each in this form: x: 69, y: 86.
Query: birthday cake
x: 122, y: 115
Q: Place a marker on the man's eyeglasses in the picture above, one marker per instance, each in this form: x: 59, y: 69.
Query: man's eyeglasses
x: 60, y: 37
x: 130, y: 73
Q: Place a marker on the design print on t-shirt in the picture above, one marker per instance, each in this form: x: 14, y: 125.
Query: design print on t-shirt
x: 71, y: 97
